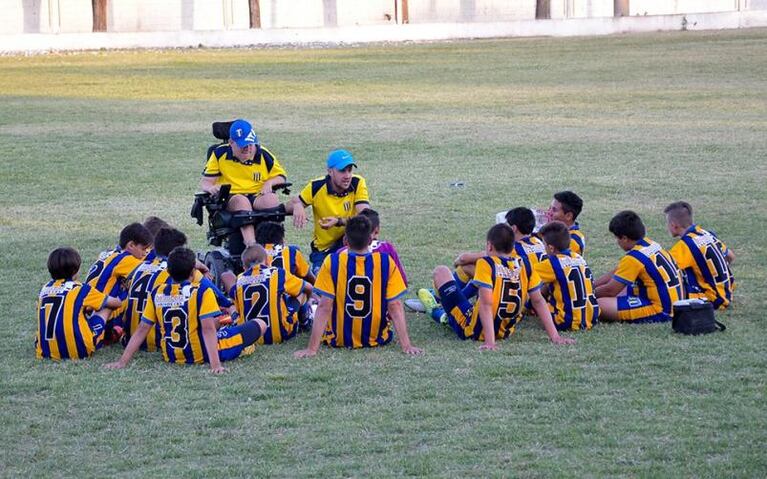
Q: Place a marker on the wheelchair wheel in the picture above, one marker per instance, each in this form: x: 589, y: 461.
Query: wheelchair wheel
x: 216, y: 263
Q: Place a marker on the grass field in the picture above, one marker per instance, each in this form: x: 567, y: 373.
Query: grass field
x: 92, y: 141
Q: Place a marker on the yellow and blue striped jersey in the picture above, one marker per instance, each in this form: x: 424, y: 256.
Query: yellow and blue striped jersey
x: 651, y: 272
x: 511, y: 283
x: 361, y: 286
x: 179, y: 309
x: 63, y: 331
x: 577, y: 239
x: 259, y: 293
x: 702, y: 257
x: 110, y: 271
x: 288, y: 257
x: 572, y: 302
x: 245, y: 178
x: 326, y: 202
x: 530, y: 250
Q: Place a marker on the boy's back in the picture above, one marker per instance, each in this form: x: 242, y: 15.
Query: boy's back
x: 649, y: 271
x: 259, y: 293
x: 702, y: 256
x: 288, y: 257
x: 63, y: 330
x: 179, y: 308
x: 111, y: 266
x: 572, y: 302
x: 362, y: 284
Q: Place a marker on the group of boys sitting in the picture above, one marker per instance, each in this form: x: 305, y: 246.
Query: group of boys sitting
x: 151, y: 292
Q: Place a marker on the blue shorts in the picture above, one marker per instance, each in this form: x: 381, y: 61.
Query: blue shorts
x: 233, y: 339
x: 638, y: 309
x: 459, y: 310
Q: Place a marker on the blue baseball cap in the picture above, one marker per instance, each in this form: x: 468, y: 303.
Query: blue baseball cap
x: 340, y: 159
x: 241, y: 132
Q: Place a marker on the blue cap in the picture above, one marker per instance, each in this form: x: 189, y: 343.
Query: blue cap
x: 241, y: 132
x: 340, y: 159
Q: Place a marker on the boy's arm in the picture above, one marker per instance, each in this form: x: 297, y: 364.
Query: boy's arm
x: 397, y: 313
x: 468, y: 258
x: 604, y: 279
x: 730, y: 256
x: 133, y: 345
x: 486, y: 318
x: 308, y: 289
x: 542, y: 310
x: 211, y: 345
x: 610, y: 289
x: 324, y: 310
x: 112, y: 303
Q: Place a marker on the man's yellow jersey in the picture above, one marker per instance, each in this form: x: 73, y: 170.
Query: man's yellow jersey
x: 572, y: 302
x: 361, y: 286
x: 326, y: 202
x: 245, y: 177
x: 702, y: 257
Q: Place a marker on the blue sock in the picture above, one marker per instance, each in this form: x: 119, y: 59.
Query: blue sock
x: 436, y: 314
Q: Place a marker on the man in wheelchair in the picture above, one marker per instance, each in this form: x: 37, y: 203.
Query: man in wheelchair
x: 239, y: 187
x: 250, y: 169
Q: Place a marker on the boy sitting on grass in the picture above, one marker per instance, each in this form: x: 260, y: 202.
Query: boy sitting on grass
x: 67, y: 327
x: 504, y: 285
x: 109, y: 274
x: 646, y: 283
x: 567, y: 279
x: 260, y: 292
x: 186, y: 313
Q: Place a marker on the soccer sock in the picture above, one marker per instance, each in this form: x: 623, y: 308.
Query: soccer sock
x: 436, y: 314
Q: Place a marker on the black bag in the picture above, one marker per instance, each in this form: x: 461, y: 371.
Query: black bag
x: 695, y: 316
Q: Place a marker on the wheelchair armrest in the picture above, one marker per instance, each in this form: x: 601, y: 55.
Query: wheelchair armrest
x: 284, y: 187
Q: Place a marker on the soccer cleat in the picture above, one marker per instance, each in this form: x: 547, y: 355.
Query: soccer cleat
x: 416, y: 305
x: 430, y: 304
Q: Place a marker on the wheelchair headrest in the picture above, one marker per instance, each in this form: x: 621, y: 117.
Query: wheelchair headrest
x: 221, y: 129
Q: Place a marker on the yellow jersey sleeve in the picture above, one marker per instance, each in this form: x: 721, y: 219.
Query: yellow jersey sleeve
x: 208, y: 306
x: 211, y: 167
x: 628, y: 270
x: 306, y: 195
x: 325, y: 286
x: 126, y: 266
x: 545, y: 271
x: 149, y: 315
x: 302, y: 266
x: 682, y: 255
x: 361, y: 195
x: 534, y: 281
x: 94, y: 298
x: 396, y: 285
x: 293, y: 284
x: 483, y: 274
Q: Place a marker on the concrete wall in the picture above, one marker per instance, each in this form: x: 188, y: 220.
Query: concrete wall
x: 73, y: 16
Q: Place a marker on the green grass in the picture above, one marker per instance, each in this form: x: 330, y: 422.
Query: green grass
x: 92, y: 141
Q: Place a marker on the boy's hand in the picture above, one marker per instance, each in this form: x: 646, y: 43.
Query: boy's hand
x: 412, y: 351
x: 488, y: 347
x: 114, y: 365
x: 218, y: 370
x: 560, y: 340
x: 305, y: 353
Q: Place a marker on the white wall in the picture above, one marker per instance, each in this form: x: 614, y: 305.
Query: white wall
x: 582, y: 8
x: 670, y: 7
x: 436, y: 11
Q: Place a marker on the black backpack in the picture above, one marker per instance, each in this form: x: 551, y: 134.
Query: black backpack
x: 695, y: 316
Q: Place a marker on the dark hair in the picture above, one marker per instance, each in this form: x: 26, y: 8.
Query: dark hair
x: 522, y: 218
x: 154, y: 224
x: 253, y: 254
x: 571, y: 203
x: 372, y: 215
x: 181, y: 263
x: 166, y: 239
x: 556, y: 234
x: 358, y: 231
x: 501, y: 237
x: 270, y: 232
x: 137, y: 233
x: 63, y: 263
x: 680, y: 212
x: 628, y: 224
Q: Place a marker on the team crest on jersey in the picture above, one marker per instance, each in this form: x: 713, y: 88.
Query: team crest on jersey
x: 347, y: 206
x: 257, y: 176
